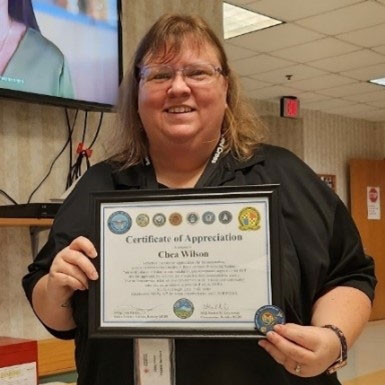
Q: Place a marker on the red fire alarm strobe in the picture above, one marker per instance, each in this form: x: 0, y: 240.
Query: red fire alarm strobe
x: 289, y: 107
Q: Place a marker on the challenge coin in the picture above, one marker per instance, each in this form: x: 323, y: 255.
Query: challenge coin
x: 267, y: 317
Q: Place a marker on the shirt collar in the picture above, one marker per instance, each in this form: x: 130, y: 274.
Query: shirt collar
x: 142, y: 176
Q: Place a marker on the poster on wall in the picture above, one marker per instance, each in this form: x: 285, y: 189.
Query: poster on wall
x: 373, y: 202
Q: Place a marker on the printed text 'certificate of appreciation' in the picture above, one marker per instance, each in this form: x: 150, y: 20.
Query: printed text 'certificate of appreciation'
x: 195, y: 265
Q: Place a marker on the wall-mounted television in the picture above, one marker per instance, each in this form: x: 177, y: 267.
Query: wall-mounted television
x: 62, y: 52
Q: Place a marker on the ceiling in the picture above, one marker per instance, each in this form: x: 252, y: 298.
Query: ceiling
x: 324, y: 53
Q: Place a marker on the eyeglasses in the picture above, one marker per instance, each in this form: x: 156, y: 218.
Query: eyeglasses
x: 193, y: 74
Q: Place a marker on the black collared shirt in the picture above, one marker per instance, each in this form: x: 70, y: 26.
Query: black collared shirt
x: 321, y: 249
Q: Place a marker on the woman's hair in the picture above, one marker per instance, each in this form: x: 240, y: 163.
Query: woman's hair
x: 22, y: 10
x: 241, y: 127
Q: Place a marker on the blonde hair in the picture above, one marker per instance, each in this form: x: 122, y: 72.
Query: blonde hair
x: 241, y: 127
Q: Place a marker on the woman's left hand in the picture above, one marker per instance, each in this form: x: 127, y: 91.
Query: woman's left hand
x: 304, y: 351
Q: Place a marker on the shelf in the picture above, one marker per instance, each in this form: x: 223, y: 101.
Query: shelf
x: 36, y: 225
x: 19, y: 222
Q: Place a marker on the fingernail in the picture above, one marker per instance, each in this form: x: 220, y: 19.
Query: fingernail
x: 94, y: 275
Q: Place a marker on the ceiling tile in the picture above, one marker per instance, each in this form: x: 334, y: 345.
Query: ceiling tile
x: 367, y: 97
x: 367, y: 37
x: 326, y: 104
x: 235, y: 53
x: 329, y: 72
x: 240, y: 2
x: 348, y: 89
x: 289, y: 74
x: 314, y: 50
x: 259, y: 63
x: 273, y: 38
x: 371, y: 72
x: 380, y: 49
x: 297, y: 9
x: 351, y: 60
x: 272, y: 92
x: 321, y: 82
x: 308, y: 97
x: 250, y: 84
x: 346, y: 19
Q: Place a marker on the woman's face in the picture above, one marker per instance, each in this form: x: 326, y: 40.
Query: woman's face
x: 180, y: 112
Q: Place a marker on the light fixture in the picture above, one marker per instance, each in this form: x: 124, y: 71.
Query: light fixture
x: 380, y: 81
x: 238, y: 21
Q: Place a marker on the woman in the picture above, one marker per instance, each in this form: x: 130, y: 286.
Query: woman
x: 28, y: 61
x: 181, y: 103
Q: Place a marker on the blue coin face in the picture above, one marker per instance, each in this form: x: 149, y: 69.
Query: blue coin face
x: 119, y: 222
x: 267, y: 317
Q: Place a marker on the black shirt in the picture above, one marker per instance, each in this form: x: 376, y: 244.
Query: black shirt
x: 321, y: 249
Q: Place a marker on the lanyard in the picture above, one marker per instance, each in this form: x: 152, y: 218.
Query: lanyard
x: 211, y: 166
x: 155, y: 358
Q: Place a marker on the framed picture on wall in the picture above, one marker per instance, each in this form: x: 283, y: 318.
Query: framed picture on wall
x: 329, y: 179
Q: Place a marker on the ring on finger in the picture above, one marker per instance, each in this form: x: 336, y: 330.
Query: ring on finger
x: 298, y: 369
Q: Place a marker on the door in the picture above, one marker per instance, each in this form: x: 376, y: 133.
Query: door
x: 367, y: 200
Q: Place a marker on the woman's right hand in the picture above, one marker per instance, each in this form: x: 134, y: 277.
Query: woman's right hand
x: 72, y: 268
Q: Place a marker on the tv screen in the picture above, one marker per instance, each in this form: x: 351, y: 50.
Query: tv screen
x: 61, y: 52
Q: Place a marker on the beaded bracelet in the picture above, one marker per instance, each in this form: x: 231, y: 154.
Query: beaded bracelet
x: 342, y: 359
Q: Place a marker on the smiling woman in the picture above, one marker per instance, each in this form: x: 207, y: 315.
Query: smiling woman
x: 182, y: 107
x: 177, y: 48
x: 184, y: 123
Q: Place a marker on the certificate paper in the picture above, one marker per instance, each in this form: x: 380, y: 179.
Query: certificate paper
x: 184, y: 263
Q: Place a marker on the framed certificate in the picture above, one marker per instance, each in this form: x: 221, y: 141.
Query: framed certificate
x: 184, y: 262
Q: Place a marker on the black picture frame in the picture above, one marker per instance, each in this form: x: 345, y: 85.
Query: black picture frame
x: 98, y: 199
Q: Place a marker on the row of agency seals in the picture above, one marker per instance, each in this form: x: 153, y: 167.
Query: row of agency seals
x: 267, y: 316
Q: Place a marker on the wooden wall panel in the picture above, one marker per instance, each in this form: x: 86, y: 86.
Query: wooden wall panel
x: 364, y: 173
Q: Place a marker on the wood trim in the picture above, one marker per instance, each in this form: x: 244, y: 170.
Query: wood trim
x: 376, y: 378
x: 16, y: 222
x: 366, y: 173
x: 55, y: 356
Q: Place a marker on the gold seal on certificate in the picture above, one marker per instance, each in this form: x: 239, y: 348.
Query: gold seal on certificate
x: 191, y: 262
